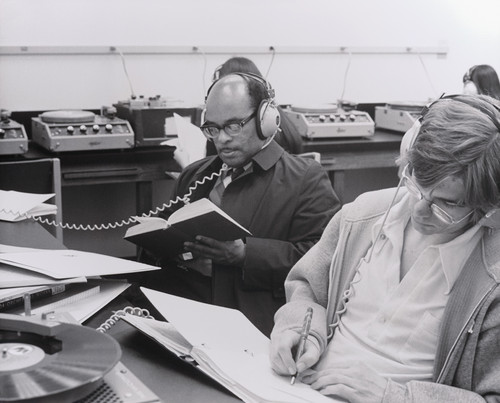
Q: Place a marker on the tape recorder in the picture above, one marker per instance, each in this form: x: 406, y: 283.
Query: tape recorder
x: 45, y: 360
x: 77, y: 130
x: 398, y: 116
x: 152, y: 118
x: 329, y: 121
x: 13, y: 139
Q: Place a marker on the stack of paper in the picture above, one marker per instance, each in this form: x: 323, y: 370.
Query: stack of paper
x: 225, y: 345
x: 36, y: 267
x: 17, y: 206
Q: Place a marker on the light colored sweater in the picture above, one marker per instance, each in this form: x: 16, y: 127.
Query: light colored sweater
x: 467, y: 364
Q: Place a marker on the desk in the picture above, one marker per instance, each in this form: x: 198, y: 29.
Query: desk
x: 141, y: 166
x: 166, y: 375
x: 171, y: 379
x: 339, y: 155
x: 103, y: 186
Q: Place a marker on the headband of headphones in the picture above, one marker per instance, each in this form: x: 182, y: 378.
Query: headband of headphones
x: 468, y: 74
x: 266, y: 84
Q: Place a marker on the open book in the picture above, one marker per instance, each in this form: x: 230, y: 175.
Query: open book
x: 165, y: 238
x: 17, y: 206
x: 223, y: 344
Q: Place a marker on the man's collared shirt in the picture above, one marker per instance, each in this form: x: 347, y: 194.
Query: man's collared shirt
x: 391, y: 324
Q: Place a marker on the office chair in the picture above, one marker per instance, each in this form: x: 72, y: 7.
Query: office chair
x: 35, y: 176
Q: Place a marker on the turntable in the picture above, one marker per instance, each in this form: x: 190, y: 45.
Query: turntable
x: 329, y: 121
x: 13, y: 139
x: 398, y: 116
x: 43, y: 360
x: 77, y: 130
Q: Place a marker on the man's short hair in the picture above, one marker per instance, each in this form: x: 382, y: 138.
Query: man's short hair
x: 460, y: 137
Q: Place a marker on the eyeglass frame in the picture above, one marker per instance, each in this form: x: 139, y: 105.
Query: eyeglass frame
x: 439, y: 212
x: 204, y: 127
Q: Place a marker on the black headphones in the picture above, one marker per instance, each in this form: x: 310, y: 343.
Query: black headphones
x: 268, y: 116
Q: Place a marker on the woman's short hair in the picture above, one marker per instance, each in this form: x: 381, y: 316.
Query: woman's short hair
x: 460, y: 136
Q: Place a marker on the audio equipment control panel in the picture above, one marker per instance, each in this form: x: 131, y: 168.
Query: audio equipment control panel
x: 397, y: 116
x: 13, y: 138
x: 329, y: 121
x: 77, y: 130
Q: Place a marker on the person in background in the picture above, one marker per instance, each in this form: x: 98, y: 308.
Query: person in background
x: 482, y: 79
x: 285, y: 201
x: 288, y: 136
x: 405, y: 283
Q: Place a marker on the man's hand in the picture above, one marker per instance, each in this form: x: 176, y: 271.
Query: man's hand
x: 229, y: 253
x: 356, y: 383
x: 281, y: 353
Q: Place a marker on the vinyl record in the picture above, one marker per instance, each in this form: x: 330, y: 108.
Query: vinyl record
x: 322, y: 108
x: 63, y: 368
x: 407, y: 106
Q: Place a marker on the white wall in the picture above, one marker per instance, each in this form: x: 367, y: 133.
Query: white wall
x: 469, y: 30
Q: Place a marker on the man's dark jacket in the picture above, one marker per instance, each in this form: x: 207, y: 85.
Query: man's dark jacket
x: 285, y: 201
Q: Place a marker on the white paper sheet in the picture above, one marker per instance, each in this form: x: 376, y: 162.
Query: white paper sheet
x: 67, y: 263
x: 14, y: 204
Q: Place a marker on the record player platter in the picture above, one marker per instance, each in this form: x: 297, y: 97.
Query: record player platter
x: 68, y: 116
x: 64, y: 367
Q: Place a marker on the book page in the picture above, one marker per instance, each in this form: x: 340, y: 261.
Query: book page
x: 209, y: 325
x: 252, y: 378
x: 146, y: 224
x: 163, y: 332
x: 67, y: 263
x: 198, y: 208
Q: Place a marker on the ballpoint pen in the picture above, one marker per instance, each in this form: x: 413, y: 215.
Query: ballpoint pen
x: 304, y: 334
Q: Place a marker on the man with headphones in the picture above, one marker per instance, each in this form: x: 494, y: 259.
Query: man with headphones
x: 285, y: 201
x: 404, y: 283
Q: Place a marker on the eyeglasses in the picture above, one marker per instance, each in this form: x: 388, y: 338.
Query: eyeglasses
x: 439, y: 212
x: 232, y: 128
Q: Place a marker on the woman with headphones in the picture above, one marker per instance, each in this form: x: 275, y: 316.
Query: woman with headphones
x: 482, y: 79
x: 404, y: 283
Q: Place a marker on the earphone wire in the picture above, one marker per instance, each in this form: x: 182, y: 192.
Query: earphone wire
x: 337, y: 316
x: 427, y: 75
x: 344, y: 83
x: 117, y: 224
x: 271, y: 62
x: 124, y: 64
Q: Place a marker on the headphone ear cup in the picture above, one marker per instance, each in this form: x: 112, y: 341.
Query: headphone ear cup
x: 491, y: 219
x: 409, y: 139
x: 268, y: 119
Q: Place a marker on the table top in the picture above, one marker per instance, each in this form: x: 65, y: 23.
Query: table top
x: 171, y: 379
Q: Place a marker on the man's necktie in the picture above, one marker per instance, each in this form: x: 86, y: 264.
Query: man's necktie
x: 236, y: 172
x: 218, y: 190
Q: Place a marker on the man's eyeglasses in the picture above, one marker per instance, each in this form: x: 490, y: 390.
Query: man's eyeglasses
x: 439, y: 212
x: 232, y: 128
